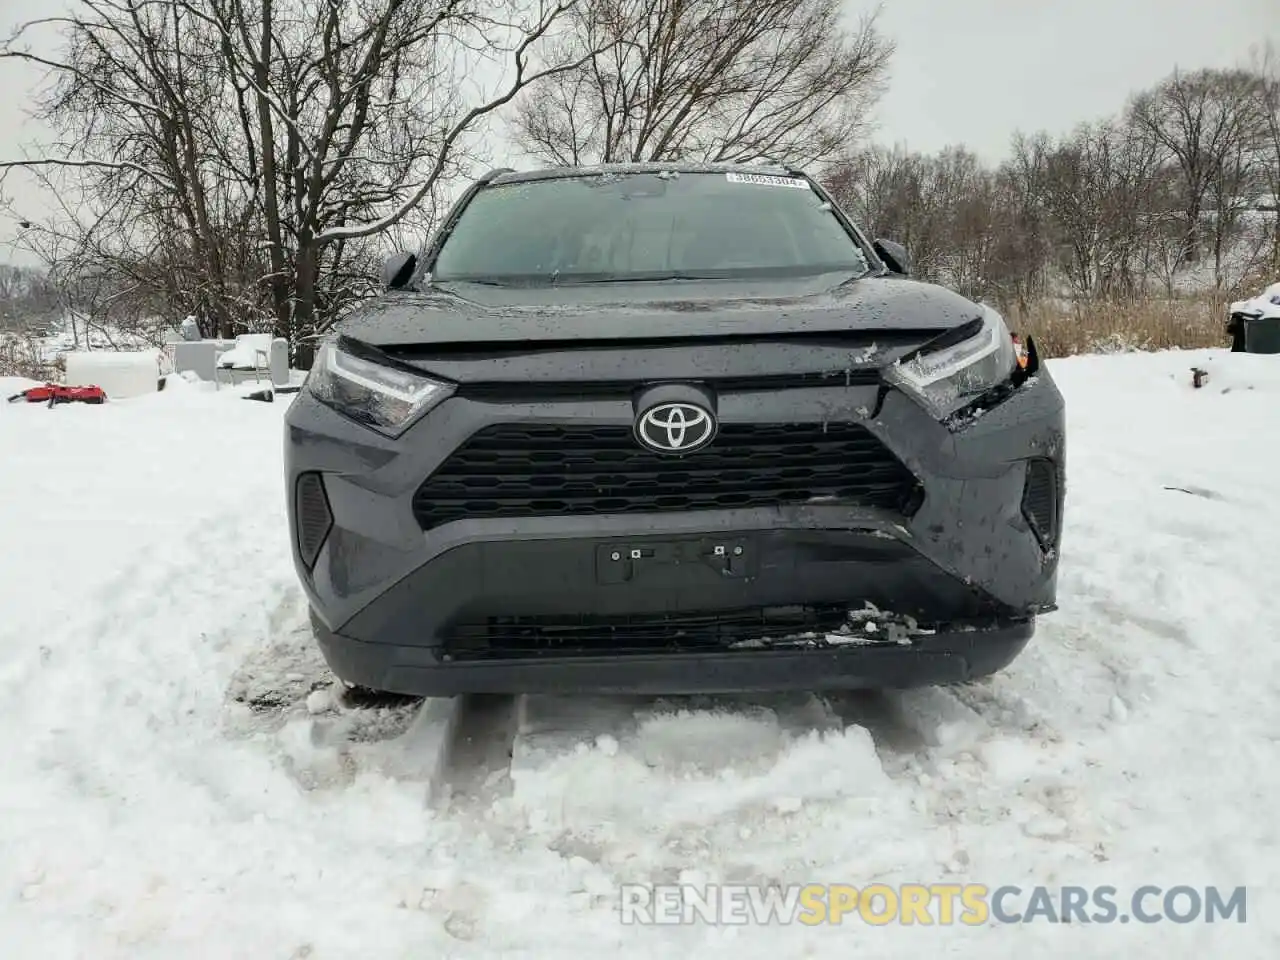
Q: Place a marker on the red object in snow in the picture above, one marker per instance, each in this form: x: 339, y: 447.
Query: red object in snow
x: 1020, y: 351
x: 54, y: 394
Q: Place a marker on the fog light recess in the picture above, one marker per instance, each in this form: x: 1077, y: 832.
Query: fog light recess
x: 314, y: 518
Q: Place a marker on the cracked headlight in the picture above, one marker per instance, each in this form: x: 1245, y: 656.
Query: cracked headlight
x: 951, y: 373
x: 386, y: 398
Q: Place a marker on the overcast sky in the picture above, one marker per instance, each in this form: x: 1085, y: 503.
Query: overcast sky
x: 966, y: 71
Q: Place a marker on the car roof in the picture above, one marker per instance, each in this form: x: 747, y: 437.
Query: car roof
x: 683, y: 166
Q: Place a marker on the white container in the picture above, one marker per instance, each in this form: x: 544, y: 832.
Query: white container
x: 121, y: 375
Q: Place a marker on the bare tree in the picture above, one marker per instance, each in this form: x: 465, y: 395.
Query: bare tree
x: 908, y: 197
x: 1267, y: 64
x: 1094, y: 189
x: 1022, y: 176
x: 240, y: 159
x: 736, y: 80
x: 962, y: 222
x: 882, y: 189
x: 1209, y: 124
x: 27, y: 298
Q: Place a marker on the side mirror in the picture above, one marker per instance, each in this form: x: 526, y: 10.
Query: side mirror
x: 397, y: 269
x: 894, y: 255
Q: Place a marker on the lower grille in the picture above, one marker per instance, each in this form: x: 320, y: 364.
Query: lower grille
x: 523, y: 470
x: 1040, y: 497
x: 585, y: 635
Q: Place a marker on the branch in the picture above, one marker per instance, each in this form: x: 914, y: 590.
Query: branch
x: 87, y: 164
x: 451, y: 137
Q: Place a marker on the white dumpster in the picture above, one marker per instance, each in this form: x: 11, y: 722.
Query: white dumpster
x: 120, y: 374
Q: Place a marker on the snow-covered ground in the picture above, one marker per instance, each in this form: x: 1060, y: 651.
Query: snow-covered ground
x: 178, y: 781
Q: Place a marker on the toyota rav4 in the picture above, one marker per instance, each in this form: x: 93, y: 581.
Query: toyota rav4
x: 669, y: 429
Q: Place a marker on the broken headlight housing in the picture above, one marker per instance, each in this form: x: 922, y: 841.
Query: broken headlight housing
x: 953, y: 371
x: 385, y: 398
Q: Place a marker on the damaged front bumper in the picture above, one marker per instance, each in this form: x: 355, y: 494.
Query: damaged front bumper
x: 951, y: 654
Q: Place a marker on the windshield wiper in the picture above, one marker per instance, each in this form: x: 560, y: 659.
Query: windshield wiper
x: 483, y: 283
x: 674, y: 276
x: 855, y: 278
x: 642, y: 278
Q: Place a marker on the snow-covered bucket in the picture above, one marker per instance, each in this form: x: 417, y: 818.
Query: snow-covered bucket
x: 120, y: 374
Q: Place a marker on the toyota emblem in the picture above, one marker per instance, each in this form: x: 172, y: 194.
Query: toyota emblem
x: 676, y: 427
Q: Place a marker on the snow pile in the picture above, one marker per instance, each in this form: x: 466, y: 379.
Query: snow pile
x: 180, y: 779
x: 11, y: 386
x: 1266, y: 304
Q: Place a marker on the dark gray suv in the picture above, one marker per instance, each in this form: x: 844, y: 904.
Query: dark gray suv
x: 670, y: 429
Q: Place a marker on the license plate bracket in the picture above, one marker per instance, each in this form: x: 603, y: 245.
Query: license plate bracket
x: 675, y: 561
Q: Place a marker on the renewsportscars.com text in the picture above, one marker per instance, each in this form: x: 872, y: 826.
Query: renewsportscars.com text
x: 918, y: 904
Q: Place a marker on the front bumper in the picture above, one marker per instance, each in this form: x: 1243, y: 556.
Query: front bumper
x: 417, y: 670
x: 387, y: 597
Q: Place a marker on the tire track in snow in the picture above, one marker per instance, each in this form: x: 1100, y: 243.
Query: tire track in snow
x: 474, y: 767
x: 984, y: 754
x: 648, y: 789
x: 283, y: 693
x: 671, y: 733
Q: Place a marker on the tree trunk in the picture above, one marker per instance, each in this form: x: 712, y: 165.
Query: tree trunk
x: 303, y: 322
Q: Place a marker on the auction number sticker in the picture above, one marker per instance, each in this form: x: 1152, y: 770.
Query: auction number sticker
x: 764, y: 180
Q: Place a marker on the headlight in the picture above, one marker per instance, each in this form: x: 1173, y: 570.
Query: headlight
x: 388, y: 399
x: 956, y: 374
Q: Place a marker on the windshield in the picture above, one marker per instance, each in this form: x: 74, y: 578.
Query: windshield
x: 649, y: 226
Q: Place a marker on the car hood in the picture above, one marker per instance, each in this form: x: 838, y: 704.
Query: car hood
x: 466, y: 313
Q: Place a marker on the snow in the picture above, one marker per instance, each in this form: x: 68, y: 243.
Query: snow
x: 1265, y: 304
x: 181, y: 779
x: 11, y: 386
x: 74, y: 332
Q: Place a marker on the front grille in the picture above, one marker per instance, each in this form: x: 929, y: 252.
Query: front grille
x: 498, y: 391
x: 525, y: 470
x: 586, y: 635
x: 1040, y: 500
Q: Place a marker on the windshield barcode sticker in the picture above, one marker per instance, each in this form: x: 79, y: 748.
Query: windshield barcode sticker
x: 764, y: 180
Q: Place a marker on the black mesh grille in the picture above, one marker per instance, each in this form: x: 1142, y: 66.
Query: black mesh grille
x: 522, y: 470
x: 506, y: 391
x: 637, y: 634
x: 1040, y: 500
x: 312, y: 515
